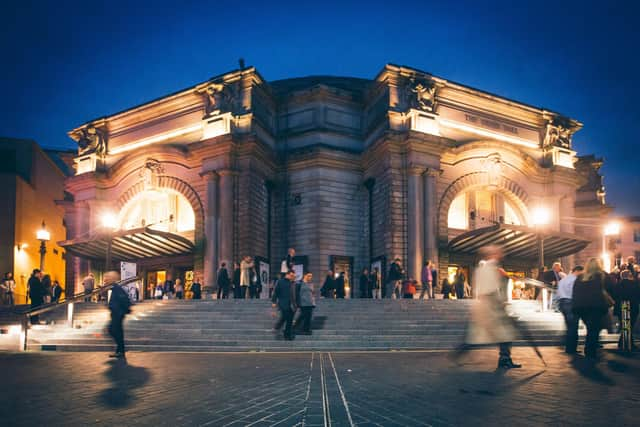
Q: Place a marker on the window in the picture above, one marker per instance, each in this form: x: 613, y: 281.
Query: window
x: 510, y: 214
x: 636, y: 235
x: 164, y: 210
x: 458, y: 212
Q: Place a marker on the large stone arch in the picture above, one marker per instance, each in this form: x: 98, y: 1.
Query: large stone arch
x: 472, y: 180
x: 171, y: 183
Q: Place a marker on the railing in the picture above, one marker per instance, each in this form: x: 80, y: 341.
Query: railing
x: 69, y: 302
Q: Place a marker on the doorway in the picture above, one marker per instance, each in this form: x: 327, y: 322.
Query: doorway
x: 343, y: 264
x: 153, y: 279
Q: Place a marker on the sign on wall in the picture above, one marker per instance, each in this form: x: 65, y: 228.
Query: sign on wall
x: 264, y: 278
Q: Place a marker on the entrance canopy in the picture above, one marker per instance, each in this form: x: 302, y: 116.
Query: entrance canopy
x: 131, y: 245
x: 518, y: 241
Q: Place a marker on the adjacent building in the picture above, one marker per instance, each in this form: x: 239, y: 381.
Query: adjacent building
x: 31, y: 181
x: 350, y: 172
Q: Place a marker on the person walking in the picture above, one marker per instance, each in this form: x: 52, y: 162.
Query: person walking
x: 119, y: 306
x: 426, y: 279
x: 394, y: 277
x: 329, y: 286
x: 159, y: 292
x: 591, y: 303
x: 196, y: 289
x: 9, y: 287
x: 88, y: 283
x: 459, y: 284
x: 284, y: 297
x: 565, y: 305
x: 56, y: 291
x: 36, y: 293
x: 169, y: 287
x: 236, y: 280
x: 339, y: 284
x: 489, y: 323
x: 306, y: 301
x: 446, y: 288
x: 365, y: 284
x: 254, y: 285
x: 179, y: 289
x: 375, y: 283
x: 223, y: 282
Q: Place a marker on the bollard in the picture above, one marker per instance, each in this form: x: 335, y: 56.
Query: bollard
x: 70, y: 314
x: 625, y: 332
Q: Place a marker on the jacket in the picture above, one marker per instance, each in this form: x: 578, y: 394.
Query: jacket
x: 245, y: 273
x: 223, y: 278
x: 305, y: 296
x: 119, y: 304
x: 36, y: 290
x: 284, y: 295
x: 590, y: 294
x: 395, y: 272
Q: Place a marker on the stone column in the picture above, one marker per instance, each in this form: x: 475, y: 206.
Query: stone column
x: 415, y: 232
x: 211, y: 229
x: 225, y: 222
x: 81, y: 229
x: 430, y: 215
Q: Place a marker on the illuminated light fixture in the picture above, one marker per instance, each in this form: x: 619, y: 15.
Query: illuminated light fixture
x: 21, y: 246
x: 540, y: 216
x: 488, y: 133
x: 109, y: 221
x: 43, y: 234
x: 612, y: 229
x: 156, y: 138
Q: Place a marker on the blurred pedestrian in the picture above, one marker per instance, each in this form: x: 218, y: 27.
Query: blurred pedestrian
x: 88, y: 283
x: 179, y: 289
x: 591, y: 303
x: 446, y: 289
x: 36, y: 293
x: 196, y: 289
x: 223, y: 282
x: 565, y: 305
x: 427, y: 281
x: 394, y: 279
x: 120, y: 306
x: 340, y: 286
x: 459, y: 283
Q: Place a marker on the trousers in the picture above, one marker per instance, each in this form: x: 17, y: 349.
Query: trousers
x: 571, y: 323
x: 286, y: 318
x: 116, y: 331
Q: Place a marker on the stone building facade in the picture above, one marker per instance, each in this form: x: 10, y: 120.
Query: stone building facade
x: 347, y: 171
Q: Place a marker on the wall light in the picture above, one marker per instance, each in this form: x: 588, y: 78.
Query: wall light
x: 109, y: 221
x: 540, y: 216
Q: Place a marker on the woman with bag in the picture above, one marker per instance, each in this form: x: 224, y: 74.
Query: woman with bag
x: 591, y: 303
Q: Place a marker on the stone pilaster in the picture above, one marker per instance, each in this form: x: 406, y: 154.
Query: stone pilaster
x: 415, y: 233
x: 430, y: 213
x: 211, y: 229
x: 81, y: 229
x: 226, y: 216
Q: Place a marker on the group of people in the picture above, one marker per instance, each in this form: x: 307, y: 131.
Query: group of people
x: 588, y: 293
x: 400, y: 286
x: 291, y: 297
x: 170, y: 289
x: 40, y: 289
x: 242, y: 283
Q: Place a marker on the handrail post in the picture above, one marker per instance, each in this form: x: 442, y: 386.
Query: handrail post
x: 23, y: 333
x: 70, y: 311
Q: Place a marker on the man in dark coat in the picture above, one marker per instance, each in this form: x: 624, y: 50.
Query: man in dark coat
x: 120, y: 306
x: 236, y: 281
x: 36, y: 292
x: 284, y: 297
x: 169, y: 287
x: 223, y: 281
x: 394, y: 278
x: 56, y: 291
x: 196, y: 289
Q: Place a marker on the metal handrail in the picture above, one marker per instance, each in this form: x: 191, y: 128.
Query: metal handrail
x: 52, y: 306
x: 68, y: 302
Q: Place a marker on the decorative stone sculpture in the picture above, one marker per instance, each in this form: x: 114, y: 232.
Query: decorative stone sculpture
x: 558, y: 134
x: 422, y: 95
x: 92, y: 140
x: 150, y: 172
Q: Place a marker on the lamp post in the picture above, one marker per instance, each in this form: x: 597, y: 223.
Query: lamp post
x: 44, y: 236
x: 110, y: 223
x: 610, y: 229
x: 540, y: 218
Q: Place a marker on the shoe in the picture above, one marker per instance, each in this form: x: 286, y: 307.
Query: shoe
x: 508, y: 364
x: 117, y: 355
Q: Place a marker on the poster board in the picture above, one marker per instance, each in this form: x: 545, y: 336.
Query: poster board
x: 263, y: 277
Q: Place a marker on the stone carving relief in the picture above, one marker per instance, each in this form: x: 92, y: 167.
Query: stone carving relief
x: 492, y: 165
x: 92, y: 140
x: 150, y: 173
x: 422, y: 95
x: 219, y: 98
x: 558, y: 134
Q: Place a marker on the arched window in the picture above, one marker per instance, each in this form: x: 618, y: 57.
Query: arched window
x: 163, y: 209
x: 481, y: 208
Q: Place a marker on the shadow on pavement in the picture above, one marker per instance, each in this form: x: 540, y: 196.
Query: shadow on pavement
x: 124, y: 378
x: 590, y: 370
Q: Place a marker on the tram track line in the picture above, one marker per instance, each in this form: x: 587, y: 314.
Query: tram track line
x: 325, y: 395
x: 342, y: 396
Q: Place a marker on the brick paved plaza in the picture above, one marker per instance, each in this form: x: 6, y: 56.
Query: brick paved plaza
x: 364, y: 389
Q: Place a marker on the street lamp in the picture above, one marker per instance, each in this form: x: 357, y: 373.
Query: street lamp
x: 610, y: 229
x: 44, y: 236
x: 110, y: 223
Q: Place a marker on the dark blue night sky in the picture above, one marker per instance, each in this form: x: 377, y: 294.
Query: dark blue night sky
x: 64, y: 63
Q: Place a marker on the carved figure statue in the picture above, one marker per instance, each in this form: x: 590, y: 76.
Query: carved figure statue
x: 423, y: 95
x: 557, y: 135
x: 214, y: 99
x: 92, y: 140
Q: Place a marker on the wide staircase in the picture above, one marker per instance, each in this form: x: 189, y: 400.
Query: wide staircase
x: 246, y: 325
